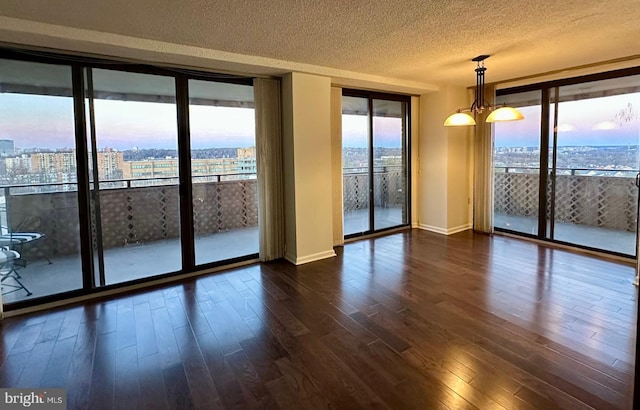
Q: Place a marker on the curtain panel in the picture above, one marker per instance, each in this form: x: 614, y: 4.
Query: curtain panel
x: 269, y: 165
x: 483, y: 169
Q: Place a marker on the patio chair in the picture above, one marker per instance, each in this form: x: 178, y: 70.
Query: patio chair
x: 8, y: 272
x: 26, y: 235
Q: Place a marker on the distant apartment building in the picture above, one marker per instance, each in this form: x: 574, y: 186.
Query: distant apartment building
x: 39, y: 167
x: 7, y: 148
x: 21, y: 164
x: 110, y: 164
x: 16, y: 170
x: 246, y: 160
x: 166, y: 168
x: 246, y: 153
x: 150, y: 168
x: 244, y: 163
x: 52, y: 163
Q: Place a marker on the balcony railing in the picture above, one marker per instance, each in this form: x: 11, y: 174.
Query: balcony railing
x: 137, y: 211
x: 131, y: 211
x: 389, y: 190
x: 140, y: 211
x: 604, y: 198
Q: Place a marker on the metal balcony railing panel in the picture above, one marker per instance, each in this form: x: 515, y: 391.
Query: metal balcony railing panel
x: 388, y: 183
x: 131, y: 215
x: 607, y: 202
x: 516, y: 193
x: 594, y: 200
x: 224, y: 206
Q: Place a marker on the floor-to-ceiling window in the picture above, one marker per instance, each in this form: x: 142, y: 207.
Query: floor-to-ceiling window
x: 567, y: 173
x: 38, y: 177
x: 134, y: 156
x: 112, y: 173
x: 375, y: 162
x: 223, y: 170
x: 517, y: 166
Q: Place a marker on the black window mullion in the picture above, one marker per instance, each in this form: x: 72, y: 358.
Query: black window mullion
x: 82, y: 169
x: 406, y: 149
x: 544, y: 165
x: 95, y: 192
x: 371, y: 173
x: 184, y: 172
x: 554, y: 165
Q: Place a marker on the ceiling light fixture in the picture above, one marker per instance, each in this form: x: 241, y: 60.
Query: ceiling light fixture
x: 498, y: 112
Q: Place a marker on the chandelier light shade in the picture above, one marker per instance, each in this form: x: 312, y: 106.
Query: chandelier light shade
x: 505, y: 114
x: 458, y: 119
x: 498, y: 112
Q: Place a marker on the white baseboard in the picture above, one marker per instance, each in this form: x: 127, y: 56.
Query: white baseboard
x: 445, y: 231
x: 309, y: 258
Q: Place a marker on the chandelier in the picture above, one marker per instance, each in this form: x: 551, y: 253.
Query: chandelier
x: 498, y: 112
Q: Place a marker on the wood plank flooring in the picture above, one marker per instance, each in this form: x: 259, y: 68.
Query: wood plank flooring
x: 412, y: 320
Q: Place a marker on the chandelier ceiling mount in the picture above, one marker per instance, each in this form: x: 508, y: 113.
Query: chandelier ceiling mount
x: 498, y: 112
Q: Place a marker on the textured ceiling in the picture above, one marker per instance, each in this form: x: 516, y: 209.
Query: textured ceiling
x: 423, y: 41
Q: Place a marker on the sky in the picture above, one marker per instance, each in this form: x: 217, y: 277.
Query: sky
x: 47, y: 122
x: 583, y: 122
x: 387, y: 131
x: 37, y: 121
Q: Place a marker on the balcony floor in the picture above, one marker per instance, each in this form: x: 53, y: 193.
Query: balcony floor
x: 357, y: 221
x: 130, y: 262
x: 591, y: 236
x: 139, y: 261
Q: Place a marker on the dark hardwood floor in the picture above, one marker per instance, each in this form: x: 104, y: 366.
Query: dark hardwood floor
x: 409, y: 320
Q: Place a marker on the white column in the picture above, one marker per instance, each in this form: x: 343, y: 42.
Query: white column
x: 306, y: 103
x: 445, y: 171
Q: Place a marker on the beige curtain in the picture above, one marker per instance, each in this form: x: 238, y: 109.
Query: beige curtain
x: 269, y: 165
x: 483, y: 169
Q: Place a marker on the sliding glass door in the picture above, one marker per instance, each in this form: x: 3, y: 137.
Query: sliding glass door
x: 117, y: 173
x: 133, y: 162
x: 593, y: 197
x: 223, y: 171
x: 375, y: 162
x: 355, y: 164
x: 567, y: 173
x: 39, y: 211
x: 517, y: 166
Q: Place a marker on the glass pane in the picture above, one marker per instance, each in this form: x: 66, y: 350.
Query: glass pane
x: 597, y: 160
x: 137, y: 163
x: 355, y: 164
x: 223, y: 168
x: 517, y: 165
x: 389, y: 164
x: 39, y: 197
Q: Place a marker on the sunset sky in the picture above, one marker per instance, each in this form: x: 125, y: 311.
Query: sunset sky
x: 47, y: 122
x: 582, y: 122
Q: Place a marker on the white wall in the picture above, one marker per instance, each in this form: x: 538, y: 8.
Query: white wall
x: 444, y: 186
x: 336, y: 165
x: 308, y: 167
